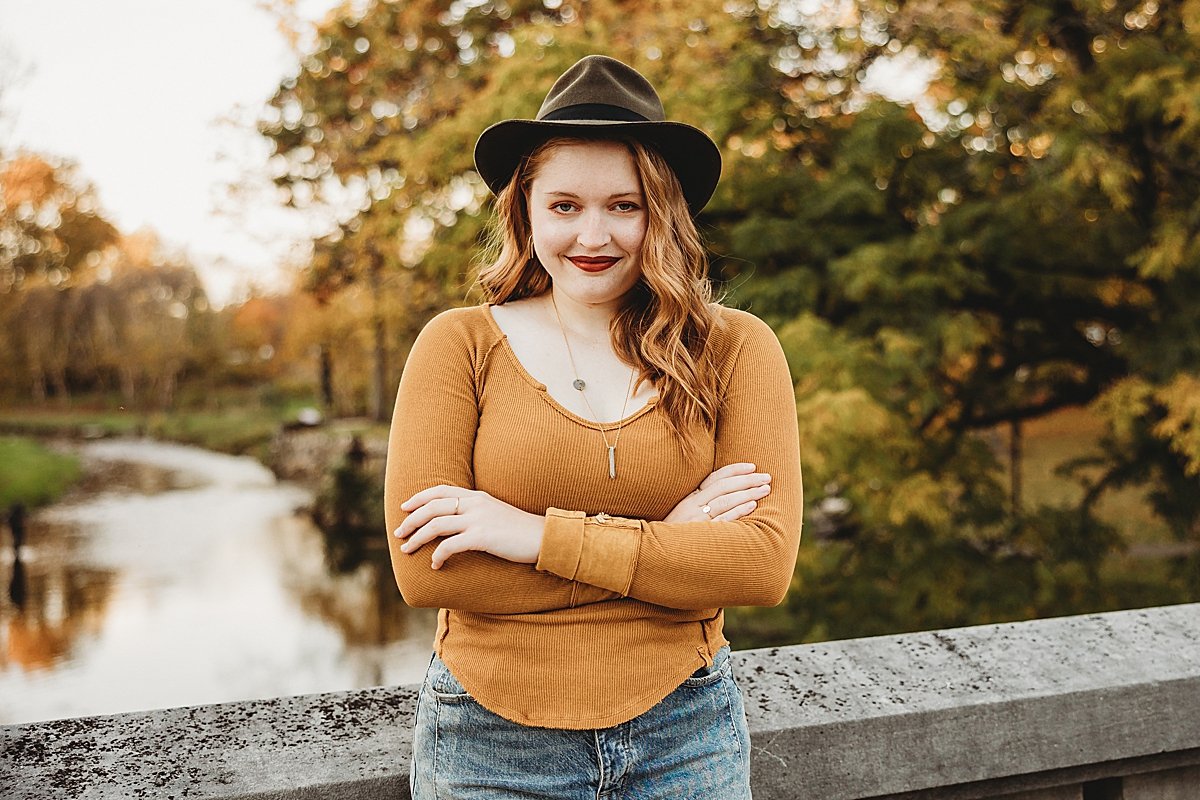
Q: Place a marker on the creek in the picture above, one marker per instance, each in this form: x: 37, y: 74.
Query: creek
x: 176, y: 576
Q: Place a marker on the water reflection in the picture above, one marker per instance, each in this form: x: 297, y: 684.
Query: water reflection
x: 185, y: 577
x: 50, y: 604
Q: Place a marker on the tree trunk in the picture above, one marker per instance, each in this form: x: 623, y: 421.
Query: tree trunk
x: 378, y: 406
x: 167, y: 386
x: 1015, y: 445
x: 325, y: 368
x: 58, y: 380
x: 128, y: 384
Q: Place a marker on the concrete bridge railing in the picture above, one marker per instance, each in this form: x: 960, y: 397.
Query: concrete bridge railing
x: 1097, y: 707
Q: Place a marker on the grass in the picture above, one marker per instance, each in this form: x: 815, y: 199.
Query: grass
x: 33, y: 474
x: 238, y: 431
x: 1061, y: 437
x: 239, y: 422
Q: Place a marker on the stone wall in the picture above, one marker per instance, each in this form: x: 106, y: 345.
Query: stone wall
x: 1097, y: 707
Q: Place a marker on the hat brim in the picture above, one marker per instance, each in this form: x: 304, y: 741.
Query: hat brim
x: 691, y: 154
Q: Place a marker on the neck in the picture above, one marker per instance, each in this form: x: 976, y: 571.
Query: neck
x: 591, y: 321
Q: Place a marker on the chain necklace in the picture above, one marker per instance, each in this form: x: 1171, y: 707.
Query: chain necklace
x: 580, y: 385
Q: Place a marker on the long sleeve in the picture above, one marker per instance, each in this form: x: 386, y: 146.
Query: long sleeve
x: 697, y: 565
x: 432, y: 442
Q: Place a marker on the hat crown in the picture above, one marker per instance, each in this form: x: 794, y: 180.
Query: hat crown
x: 602, y: 81
x: 601, y: 97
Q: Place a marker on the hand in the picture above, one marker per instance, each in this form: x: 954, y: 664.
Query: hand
x: 469, y: 520
x: 730, y: 493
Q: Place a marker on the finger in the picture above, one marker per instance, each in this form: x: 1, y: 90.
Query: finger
x: 736, y: 483
x: 432, y: 493
x: 438, y: 507
x: 448, y: 547
x: 738, y: 468
x: 435, y: 528
x: 737, y: 512
x: 722, y: 503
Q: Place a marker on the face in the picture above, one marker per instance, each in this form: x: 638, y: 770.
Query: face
x: 589, y: 221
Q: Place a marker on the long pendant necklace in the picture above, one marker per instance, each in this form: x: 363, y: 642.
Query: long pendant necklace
x: 580, y: 385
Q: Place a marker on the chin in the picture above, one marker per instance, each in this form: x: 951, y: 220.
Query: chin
x: 594, y: 289
x: 594, y: 296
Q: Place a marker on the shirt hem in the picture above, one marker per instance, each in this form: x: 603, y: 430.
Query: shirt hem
x: 627, y: 712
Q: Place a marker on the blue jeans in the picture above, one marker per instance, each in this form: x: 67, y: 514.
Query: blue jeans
x: 693, y: 744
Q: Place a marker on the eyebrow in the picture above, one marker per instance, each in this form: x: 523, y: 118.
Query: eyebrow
x: 573, y: 196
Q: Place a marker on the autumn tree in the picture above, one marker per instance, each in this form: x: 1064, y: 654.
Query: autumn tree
x: 50, y: 223
x: 1009, y: 245
x: 382, y: 117
x: 51, y: 231
x: 86, y: 308
x: 1014, y: 238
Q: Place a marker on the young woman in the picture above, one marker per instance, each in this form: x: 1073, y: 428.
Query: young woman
x: 583, y: 471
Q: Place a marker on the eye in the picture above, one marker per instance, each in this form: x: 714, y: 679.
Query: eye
x: 626, y: 206
x: 563, y: 207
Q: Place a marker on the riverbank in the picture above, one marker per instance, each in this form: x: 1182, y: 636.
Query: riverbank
x: 338, y: 463
x: 33, y: 474
x: 273, y: 434
x: 237, y: 430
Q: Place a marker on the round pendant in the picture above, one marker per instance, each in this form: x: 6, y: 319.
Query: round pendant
x: 579, y: 384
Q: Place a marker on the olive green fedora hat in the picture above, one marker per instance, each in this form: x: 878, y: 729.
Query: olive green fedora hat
x: 599, y: 96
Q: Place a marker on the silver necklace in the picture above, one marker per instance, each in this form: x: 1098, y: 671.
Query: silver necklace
x: 580, y: 385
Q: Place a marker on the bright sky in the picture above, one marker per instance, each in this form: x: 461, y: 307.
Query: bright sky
x: 134, y: 91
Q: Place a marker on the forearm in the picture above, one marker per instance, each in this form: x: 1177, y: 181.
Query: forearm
x: 472, y: 580
x: 748, y: 562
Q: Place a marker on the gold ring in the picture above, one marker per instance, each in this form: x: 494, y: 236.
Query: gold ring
x: 457, y: 500
x: 704, y: 509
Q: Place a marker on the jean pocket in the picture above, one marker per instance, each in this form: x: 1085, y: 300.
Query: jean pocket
x: 442, y: 683
x: 708, y: 675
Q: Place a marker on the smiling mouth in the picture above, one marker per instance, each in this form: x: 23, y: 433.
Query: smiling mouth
x: 593, y: 263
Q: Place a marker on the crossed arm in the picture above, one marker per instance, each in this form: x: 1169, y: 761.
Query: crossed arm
x: 455, y: 547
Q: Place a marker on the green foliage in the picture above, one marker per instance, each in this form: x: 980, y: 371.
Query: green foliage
x: 1018, y: 240
x: 33, y: 474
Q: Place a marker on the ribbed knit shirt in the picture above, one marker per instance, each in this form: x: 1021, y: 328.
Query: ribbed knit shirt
x: 621, y: 607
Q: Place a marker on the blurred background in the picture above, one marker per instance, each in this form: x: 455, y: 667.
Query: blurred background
x: 972, y: 225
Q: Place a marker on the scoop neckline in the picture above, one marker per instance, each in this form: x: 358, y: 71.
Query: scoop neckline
x: 545, y: 393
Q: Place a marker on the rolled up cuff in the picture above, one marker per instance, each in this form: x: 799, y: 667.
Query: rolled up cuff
x: 562, y: 543
x: 599, y: 552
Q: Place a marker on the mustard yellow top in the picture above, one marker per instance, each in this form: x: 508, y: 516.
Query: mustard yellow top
x: 620, y: 607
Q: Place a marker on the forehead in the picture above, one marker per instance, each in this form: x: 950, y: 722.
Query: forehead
x: 602, y: 167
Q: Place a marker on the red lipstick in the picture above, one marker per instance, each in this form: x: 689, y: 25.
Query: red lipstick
x: 593, y: 263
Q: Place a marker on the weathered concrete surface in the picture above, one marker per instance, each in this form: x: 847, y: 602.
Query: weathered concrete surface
x: 339, y: 745
x: 894, y: 714
x: 1030, y: 709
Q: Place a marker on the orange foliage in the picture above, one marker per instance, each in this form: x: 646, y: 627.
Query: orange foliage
x: 27, y: 179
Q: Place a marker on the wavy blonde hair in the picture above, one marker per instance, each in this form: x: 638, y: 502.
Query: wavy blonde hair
x: 664, y: 326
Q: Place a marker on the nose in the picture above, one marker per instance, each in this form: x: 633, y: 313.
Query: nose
x: 593, y: 233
